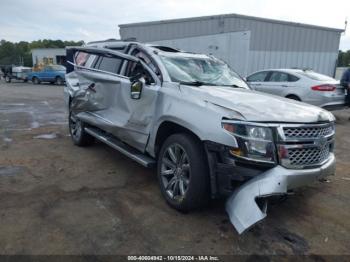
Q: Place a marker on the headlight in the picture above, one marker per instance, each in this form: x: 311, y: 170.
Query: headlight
x: 254, y: 142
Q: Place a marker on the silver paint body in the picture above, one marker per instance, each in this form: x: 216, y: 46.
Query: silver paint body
x: 199, y: 109
x: 302, y: 89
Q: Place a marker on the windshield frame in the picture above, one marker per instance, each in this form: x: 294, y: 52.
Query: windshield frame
x: 238, y: 80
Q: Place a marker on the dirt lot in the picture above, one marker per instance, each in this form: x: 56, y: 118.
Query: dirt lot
x: 57, y: 198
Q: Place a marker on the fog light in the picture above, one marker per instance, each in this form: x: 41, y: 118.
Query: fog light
x: 236, y: 152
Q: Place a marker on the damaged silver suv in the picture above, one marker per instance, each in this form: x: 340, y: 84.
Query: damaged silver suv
x: 199, y: 123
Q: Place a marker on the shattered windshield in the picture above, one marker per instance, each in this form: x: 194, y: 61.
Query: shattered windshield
x: 201, y: 71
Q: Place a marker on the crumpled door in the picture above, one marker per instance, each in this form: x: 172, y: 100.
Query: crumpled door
x: 90, y: 89
x: 134, y: 116
x: 104, y: 100
x: 94, y: 92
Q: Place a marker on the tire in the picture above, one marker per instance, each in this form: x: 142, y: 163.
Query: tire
x: 293, y: 97
x: 8, y: 79
x: 193, y: 172
x: 77, y: 132
x: 59, y: 80
x: 35, y: 80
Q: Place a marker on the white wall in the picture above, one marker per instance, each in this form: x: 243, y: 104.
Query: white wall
x: 40, y: 53
x: 233, y: 48
x: 322, y: 62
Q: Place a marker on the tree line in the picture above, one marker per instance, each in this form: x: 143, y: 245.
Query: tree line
x: 344, y: 58
x: 20, y: 53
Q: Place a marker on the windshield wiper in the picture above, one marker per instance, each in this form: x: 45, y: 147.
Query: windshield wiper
x: 191, y: 83
x: 196, y: 83
x: 236, y: 86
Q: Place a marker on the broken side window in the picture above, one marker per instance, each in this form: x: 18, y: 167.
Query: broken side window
x: 81, y: 58
x: 110, y: 64
x: 136, y: 70
x: 147, y: 60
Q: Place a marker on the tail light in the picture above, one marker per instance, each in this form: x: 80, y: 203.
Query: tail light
x: 324, y: 88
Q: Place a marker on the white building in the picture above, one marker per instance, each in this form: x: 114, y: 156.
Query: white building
x: 45, y: 56
x: 246, y: 43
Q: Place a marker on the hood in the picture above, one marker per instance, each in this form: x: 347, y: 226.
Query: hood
x: 259, y: 107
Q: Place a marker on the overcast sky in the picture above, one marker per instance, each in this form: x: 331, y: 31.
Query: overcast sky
x: 96, y: 20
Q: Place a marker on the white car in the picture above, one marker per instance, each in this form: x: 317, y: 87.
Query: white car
x: 302, y: 85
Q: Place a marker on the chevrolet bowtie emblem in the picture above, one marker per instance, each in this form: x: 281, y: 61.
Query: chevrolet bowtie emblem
x: 321, y: 142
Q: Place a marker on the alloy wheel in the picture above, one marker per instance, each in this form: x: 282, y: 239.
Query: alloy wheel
x: 175, y: 171
x: 75, y: 127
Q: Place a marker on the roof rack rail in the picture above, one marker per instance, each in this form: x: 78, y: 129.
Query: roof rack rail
x: 166, y: 48
x: 107, y: 40
x: 130, y: 39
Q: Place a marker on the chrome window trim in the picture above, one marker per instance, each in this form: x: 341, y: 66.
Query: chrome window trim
x: 98, y: 71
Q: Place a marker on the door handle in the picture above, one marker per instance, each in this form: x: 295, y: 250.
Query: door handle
x: 284, y: 85
x: 91, y: 87
x: 76, y: 85
x: 257, y: 84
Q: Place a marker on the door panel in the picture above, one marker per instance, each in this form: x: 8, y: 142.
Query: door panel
x: 109, y: 106
x: 141, y: 110
x: 278, y: 84
x: 44, y: 74
x: 95, y: 91
x: 132, y: 117
x: 275, y: 88
x: 257, y: 81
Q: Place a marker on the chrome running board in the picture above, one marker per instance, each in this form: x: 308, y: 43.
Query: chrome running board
x: 126, y: 150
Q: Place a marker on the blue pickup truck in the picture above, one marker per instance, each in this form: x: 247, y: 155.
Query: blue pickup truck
x: 50, y: 73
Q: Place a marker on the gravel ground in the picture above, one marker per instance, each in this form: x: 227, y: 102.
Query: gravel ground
x: 57, y: 198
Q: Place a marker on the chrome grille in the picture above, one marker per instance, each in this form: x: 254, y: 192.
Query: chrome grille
x: 308, y: 132
x: 308, y: 156
x: 305, y: 145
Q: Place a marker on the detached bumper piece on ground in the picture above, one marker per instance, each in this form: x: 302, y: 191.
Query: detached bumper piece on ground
x: 242, y: 207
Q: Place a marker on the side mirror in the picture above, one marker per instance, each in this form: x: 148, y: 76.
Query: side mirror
x: 136, y: 89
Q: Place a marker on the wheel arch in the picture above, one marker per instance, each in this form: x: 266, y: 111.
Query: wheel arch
x: 168, y: 128
x: 293, y: 95
x: 69, y: 101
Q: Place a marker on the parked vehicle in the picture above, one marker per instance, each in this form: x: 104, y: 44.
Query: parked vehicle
x: 51, y: 73
x: 196, y: 120
x: 11, y: 72
x: 301, y: 85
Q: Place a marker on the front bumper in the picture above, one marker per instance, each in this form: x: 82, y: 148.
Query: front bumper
x: 241, y: 206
